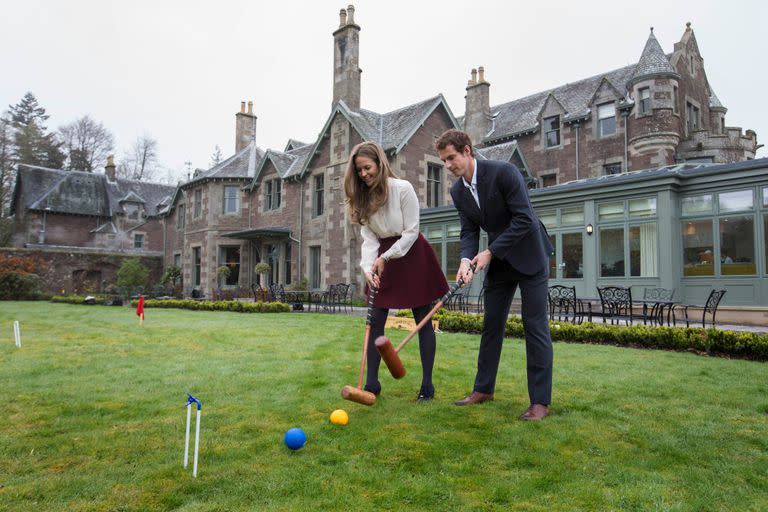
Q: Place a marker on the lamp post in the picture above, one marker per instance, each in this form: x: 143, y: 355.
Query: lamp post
x: 41, y: 236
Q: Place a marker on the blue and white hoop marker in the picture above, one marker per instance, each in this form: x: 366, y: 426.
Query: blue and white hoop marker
x: 17, y: 333
x: 192, y: 400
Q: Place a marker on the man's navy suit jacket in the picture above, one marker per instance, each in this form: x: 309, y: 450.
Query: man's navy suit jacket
x: 515, y: 233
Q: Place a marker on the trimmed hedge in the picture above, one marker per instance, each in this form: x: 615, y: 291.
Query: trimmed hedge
x: 218, y: 305
x: 196, y: 305
x: 747, y: 345
x: 77, y: 299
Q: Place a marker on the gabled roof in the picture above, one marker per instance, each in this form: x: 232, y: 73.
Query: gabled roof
x: 506, y: 152
x: 151, y: 195
x: 132, y: 197
x: 294, y: 144
x: 392, y: 130
x: 242, y: 164
x: 82, y: 193
x: 521, y: 116
x: 653, y: 61
x: 288, y: 163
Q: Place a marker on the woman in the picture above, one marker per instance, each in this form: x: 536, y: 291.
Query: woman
x: 395, y: 258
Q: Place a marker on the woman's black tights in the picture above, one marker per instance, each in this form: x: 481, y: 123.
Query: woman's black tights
x: 427, y: 347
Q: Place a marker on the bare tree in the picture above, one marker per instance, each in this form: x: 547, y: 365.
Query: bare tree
x: 140, y: 162
x: 86, y: 144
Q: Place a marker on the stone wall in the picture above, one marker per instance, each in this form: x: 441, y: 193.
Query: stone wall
x: 81, y: 271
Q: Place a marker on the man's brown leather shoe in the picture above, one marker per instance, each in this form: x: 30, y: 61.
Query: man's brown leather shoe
x: 475, y: 398
x: 535, y: 412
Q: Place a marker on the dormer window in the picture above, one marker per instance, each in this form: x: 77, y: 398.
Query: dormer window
x: 606, y: 119
x: 552, y: 131
x: 131, y: 211
x: 272, y: 194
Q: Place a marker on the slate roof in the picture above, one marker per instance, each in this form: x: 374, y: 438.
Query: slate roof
x: 653, y: 61
x: 294, y: 144
x: 521, y: 115
x: 83, y: 193
x: 150, y: 194
x: 287, y: 163
x: 392, y: 130
x: 502, y: 152
x: 714, y: 101
x: 242, y: 164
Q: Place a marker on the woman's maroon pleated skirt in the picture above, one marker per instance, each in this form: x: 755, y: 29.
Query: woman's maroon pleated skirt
x: 414, y: 280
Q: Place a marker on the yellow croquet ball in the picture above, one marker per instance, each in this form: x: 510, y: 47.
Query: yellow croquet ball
x: 339, y: 417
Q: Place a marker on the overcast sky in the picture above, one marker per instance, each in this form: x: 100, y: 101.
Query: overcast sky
x: 178, y: 70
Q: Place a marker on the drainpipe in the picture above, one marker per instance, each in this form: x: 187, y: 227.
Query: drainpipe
x: 576, y: 125
x: 625, y: 114
x: 301, y: 228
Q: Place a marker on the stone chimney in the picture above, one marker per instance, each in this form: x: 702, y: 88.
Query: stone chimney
x: 245, y: 126
x: 346, y: 52
x: 477, y: 113
x: 109, y: 169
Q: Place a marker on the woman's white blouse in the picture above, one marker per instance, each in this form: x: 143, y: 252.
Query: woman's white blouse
x: 399, y: 216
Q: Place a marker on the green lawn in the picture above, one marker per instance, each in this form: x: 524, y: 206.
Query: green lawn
x: 93, y: 419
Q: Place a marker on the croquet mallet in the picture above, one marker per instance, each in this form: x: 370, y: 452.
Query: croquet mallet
x: 358, y: 394
x: 387, y: 350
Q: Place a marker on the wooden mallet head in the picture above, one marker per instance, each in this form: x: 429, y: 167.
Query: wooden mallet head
x: 358, y: 395
x: 390, y: 357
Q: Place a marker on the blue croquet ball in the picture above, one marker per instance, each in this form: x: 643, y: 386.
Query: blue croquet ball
x: 295, y: 438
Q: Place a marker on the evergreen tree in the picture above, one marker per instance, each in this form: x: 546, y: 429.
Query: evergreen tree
x: 7, y: 169
x: 33, y: 145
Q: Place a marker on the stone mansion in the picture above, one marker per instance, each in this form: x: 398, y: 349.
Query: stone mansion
x: 287, y: 207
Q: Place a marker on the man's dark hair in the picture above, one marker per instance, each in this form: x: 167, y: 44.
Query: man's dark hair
x: 455, y: 138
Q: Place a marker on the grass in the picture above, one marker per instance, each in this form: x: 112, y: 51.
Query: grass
x: 93, y: 419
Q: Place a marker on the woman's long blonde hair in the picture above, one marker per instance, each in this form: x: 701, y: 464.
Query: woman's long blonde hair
x: 362, y: 200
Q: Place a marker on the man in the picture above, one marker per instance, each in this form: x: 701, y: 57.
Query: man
x: 492, y: 195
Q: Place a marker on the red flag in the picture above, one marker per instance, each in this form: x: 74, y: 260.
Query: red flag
x: 140, y: 307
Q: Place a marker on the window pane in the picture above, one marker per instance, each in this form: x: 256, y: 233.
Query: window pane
x: 642, y: 207
x: 693, y: 205
x: 610, y: 211
x: 607, y: 126
x: 434, y: 232
x: 612, y: 252
x: 454, y: 230
x: 572, y: 216
x: 606, y: 110
x: 230, y: 257
x: 553, y: 258
x: 737, y: 245
x: 765, y: 197
x: 573, y: 256
x: 438, y: 248
x: 698, y: 257
x: 739, y: 200
x: 548, y: 218
x: 643, y: 250
x: 765, y: 237
x: 452, y: 260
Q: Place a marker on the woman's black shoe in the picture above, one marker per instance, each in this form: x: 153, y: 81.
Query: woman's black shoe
x: 425, y: 394
x: 371, y: 389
